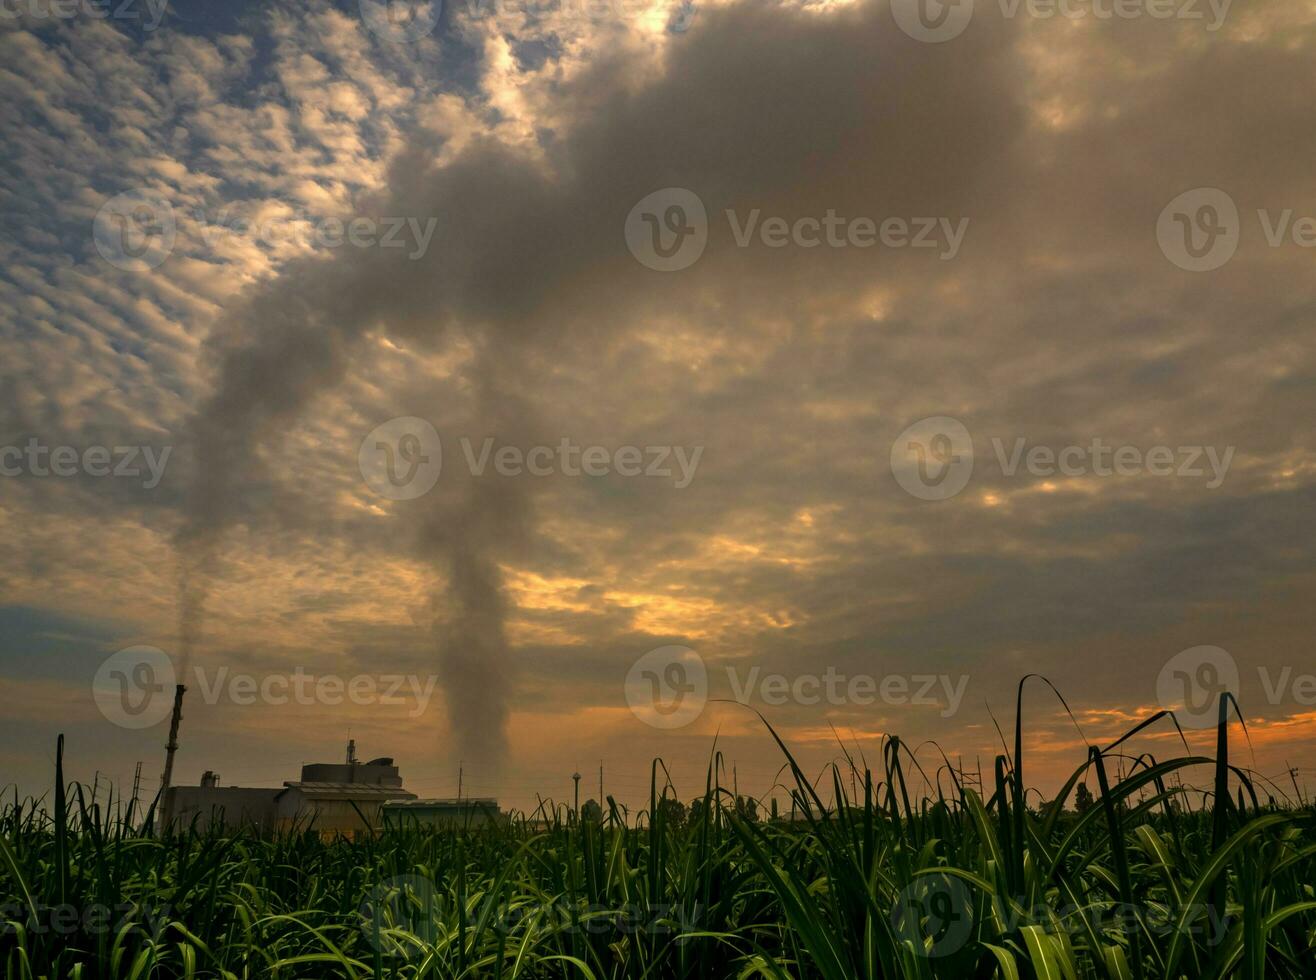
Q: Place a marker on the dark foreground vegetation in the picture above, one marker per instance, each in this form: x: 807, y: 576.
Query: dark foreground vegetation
x: 1148, y: 880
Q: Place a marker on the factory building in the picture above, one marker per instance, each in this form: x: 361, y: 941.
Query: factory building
x: 335, y: 799
x: 466, y: 812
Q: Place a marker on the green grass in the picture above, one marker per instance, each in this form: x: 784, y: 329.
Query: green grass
x: 1147, y: 882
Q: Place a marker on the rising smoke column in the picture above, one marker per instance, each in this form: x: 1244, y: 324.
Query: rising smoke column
x: 474, y: 662
x: 281, y: 355
x: 295, y: 338
x: 491, y: 523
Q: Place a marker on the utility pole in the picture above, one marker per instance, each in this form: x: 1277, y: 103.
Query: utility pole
x: 1293, y: 775
x: 137, y: 783
x: 459, y: 781
x: 575, y: 776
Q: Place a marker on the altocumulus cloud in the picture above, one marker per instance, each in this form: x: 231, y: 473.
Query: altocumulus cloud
x: 528, y: 319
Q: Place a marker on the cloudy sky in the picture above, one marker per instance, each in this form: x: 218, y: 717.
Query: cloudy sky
x: 895, y: 348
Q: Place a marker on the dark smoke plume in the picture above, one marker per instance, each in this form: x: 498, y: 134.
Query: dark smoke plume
x: 529, y: 260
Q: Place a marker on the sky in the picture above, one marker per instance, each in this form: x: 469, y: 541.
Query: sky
x: 524, y: 386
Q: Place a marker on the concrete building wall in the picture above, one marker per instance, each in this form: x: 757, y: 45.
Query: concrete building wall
x: 417, y: 813
x: 327, y: 817
x: 222, y: 806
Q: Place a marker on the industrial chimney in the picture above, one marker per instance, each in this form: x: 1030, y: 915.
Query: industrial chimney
x: 170, y: 748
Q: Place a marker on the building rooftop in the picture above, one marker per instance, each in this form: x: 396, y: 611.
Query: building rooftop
x: 349, y: 791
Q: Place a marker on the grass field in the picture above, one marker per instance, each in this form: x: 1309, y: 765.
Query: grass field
x: 1149, y: 881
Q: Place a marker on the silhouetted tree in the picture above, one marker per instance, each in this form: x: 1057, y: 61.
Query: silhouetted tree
x: 1083, y: 799
x: 696, y: 810
x: 673, y: 812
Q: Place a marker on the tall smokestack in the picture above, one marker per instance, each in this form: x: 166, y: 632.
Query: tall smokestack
x: 170, y: 748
